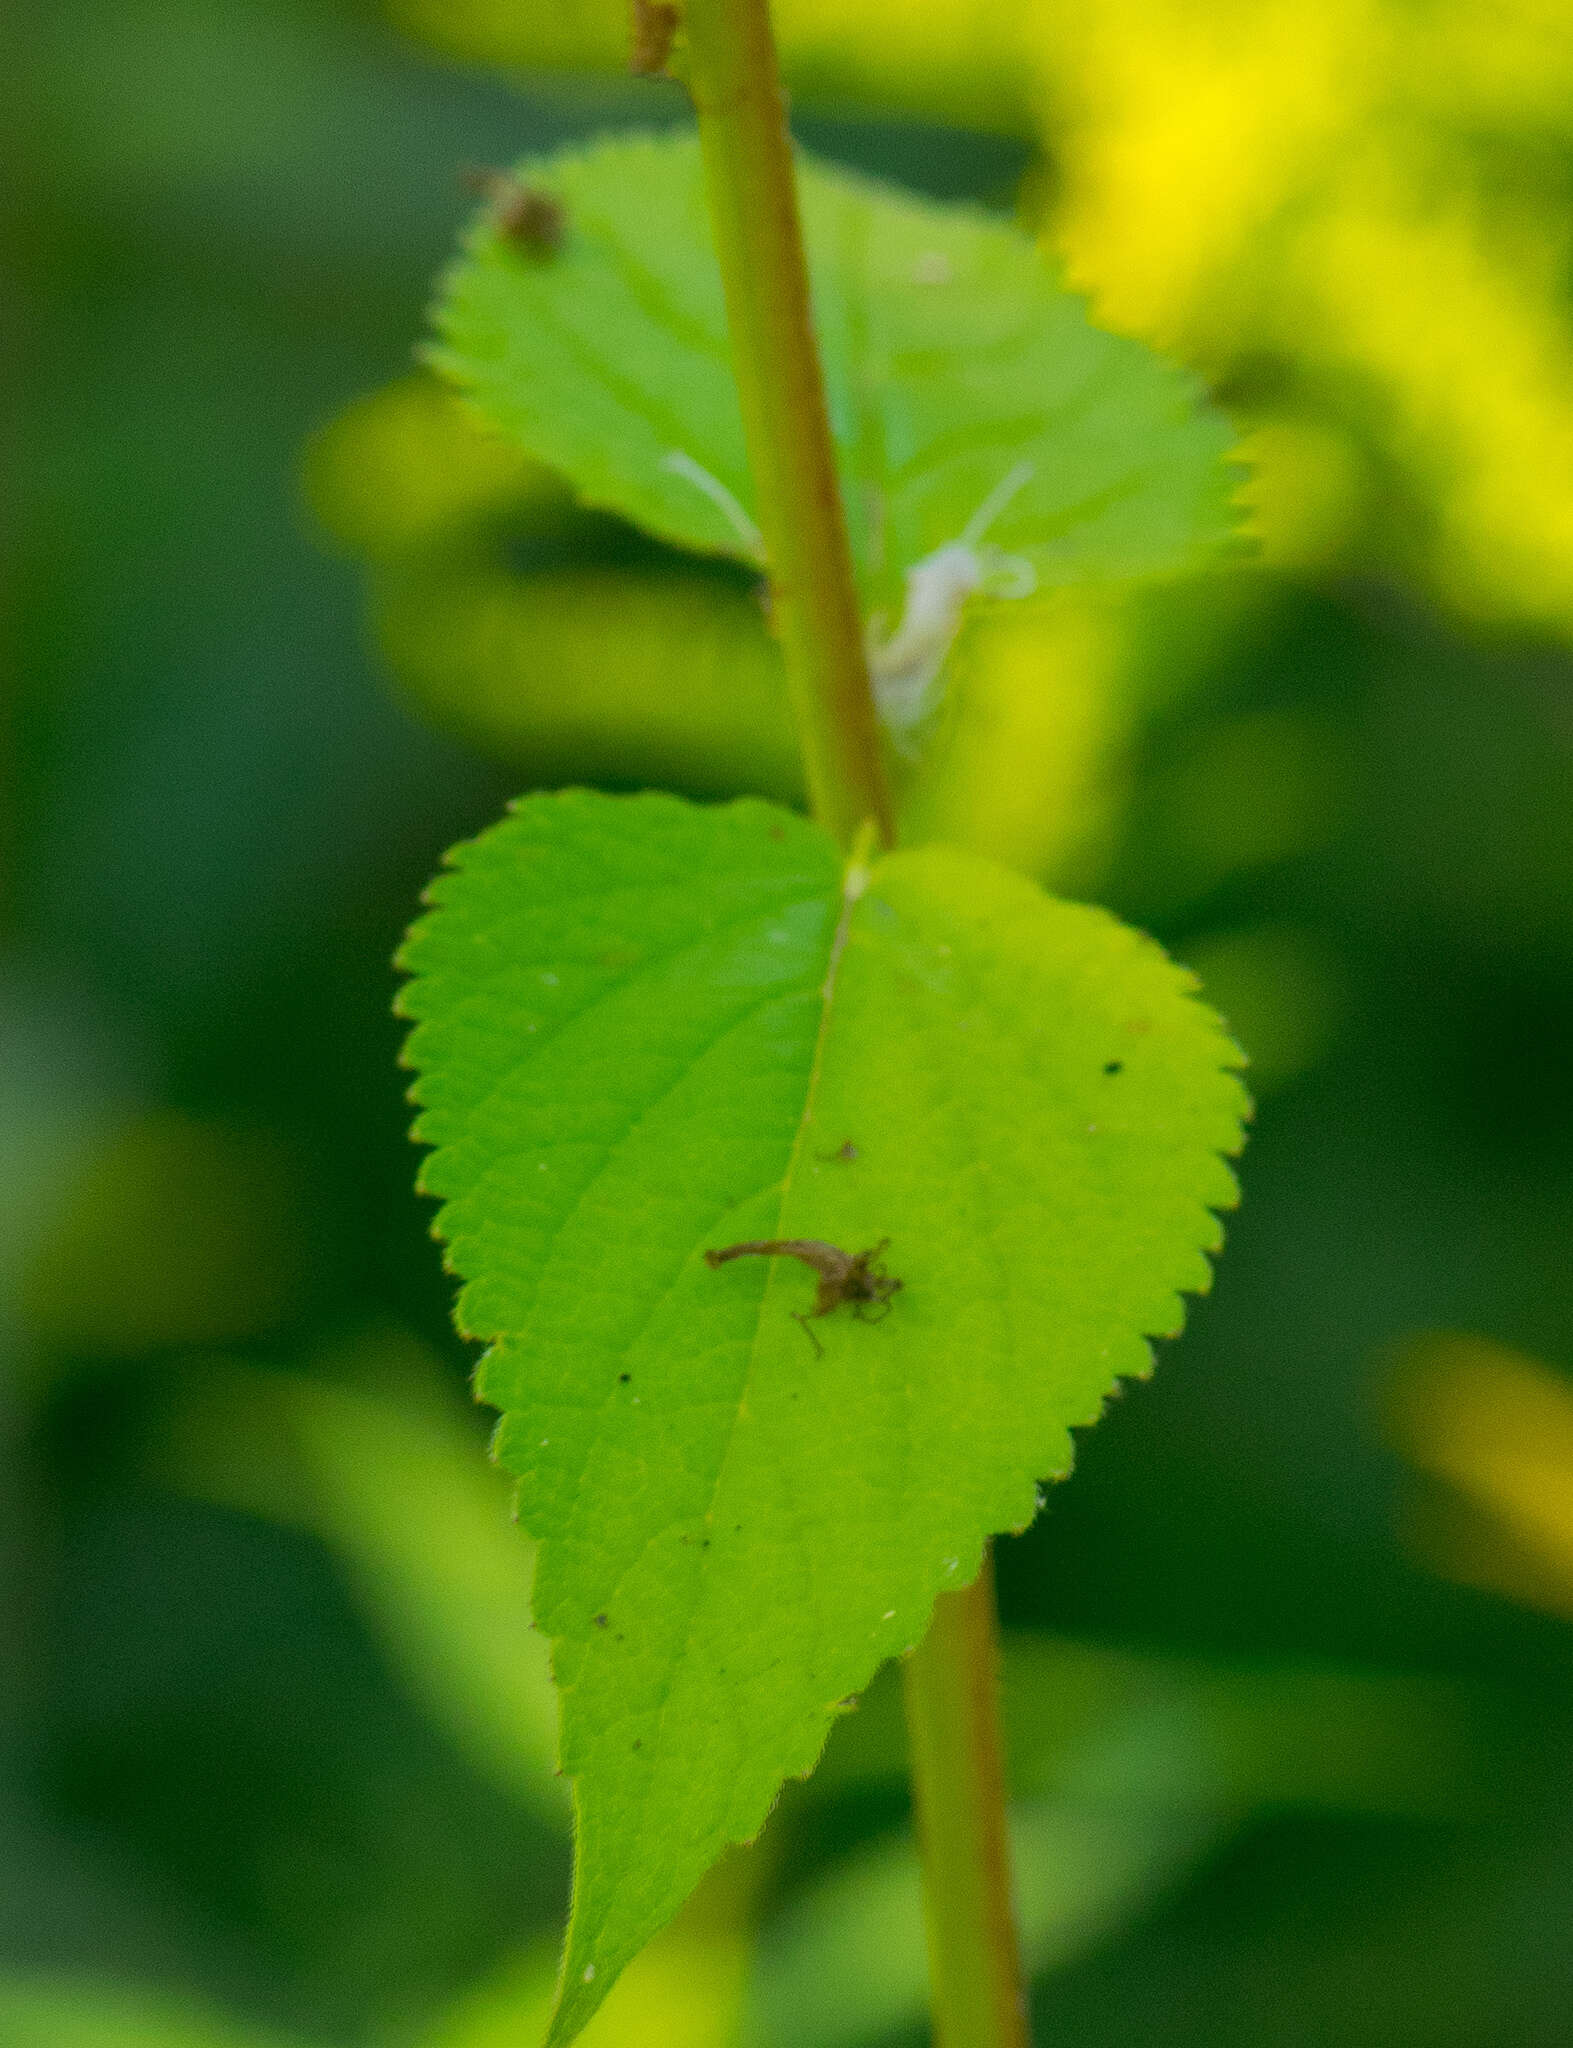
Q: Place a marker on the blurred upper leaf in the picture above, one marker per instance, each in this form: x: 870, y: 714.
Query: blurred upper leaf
x: 646, y: 1030
x: 966, y: 388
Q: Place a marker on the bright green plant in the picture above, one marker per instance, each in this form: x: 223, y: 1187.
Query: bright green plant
x: 647, y: 1031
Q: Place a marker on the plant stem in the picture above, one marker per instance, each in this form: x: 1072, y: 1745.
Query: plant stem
x: 735, y: 80
x: 951, y: 1679
x: 958, y: 1782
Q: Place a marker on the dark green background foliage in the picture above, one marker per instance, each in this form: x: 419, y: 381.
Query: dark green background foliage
x: 224, y: 1774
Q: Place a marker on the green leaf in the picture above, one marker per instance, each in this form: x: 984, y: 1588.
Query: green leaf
x: 959, y: 374
x: 646, y: 1030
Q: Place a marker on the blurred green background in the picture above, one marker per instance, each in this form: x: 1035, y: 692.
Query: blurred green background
x: 1289, y: 1667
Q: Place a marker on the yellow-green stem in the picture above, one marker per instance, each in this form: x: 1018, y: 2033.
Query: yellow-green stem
x: 951, y: 1682
x: 735, y: 81
x: 958, y: 1782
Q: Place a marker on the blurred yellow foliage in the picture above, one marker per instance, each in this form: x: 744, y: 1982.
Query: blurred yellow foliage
x: 1183, y: 131
x: 1305, y: 491
x: 1447, y: 303
x: 410, y: 466
x: 629, y: 675
x: 1028, y: 763
x: 1496, y: 1429
x: 1350, y: 191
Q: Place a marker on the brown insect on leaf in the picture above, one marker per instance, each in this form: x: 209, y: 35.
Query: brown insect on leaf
x: 531, y: 219
x: 653, y: 24
x: 854, y: 1277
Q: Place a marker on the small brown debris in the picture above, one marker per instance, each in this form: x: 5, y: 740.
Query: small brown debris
x: 531, y: 219
x: 652, y: 27
x: 854, y: 1277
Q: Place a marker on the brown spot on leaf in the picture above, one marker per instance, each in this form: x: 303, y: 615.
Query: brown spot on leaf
x: 532, y: 220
